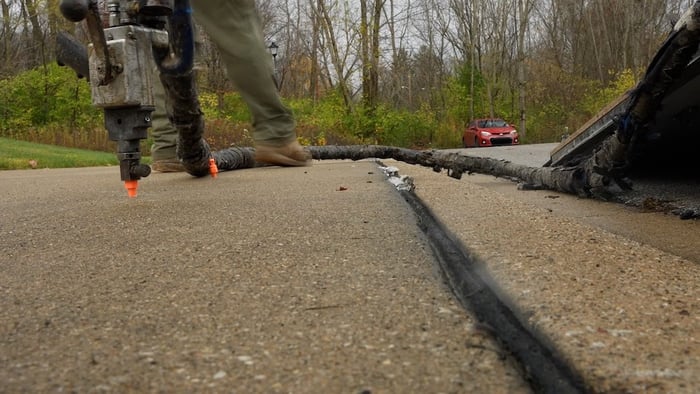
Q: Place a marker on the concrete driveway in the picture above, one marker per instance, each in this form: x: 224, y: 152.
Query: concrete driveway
x: 264, y: 280
x: 318, y: 280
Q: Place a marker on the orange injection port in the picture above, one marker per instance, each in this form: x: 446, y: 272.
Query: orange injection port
x: 213, y: 169
x: 131, y: 187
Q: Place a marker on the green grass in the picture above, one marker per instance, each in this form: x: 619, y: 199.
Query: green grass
x: 16, y: 155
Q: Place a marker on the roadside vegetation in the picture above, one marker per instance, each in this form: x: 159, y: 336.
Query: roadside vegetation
x: 408, y: 75
x: 18, y: 155
x: 49, y: 105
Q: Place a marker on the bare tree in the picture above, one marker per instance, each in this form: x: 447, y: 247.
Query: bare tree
x: 524, y: 9
x: 7, y: 37
x: 499, y: 40
x: 398, y: 19
x: 315, y: 41
x: 342, y: 65
x: 369, y: 44
x: 32, y: 13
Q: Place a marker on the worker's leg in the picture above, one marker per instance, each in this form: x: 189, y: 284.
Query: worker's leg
x: 234, y: 26
x: 163, y: 150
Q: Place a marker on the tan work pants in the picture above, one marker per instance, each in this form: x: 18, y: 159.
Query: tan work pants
x: 234, y: 26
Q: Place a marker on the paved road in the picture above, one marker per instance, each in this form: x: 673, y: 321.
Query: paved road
x: 662, y: 231
x: 535, y: 155
x: 318, y: 280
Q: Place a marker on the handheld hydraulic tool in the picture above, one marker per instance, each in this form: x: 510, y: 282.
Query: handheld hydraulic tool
x: 120, y: 63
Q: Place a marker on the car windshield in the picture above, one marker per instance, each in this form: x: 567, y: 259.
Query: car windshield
x: 490, y: 123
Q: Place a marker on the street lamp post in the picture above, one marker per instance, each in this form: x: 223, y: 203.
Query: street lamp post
x: 273, y: 51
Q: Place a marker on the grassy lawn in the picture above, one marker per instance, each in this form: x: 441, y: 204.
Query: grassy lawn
x: 16, y: 155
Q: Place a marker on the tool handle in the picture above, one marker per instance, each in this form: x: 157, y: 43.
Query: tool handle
x: 181, y: 35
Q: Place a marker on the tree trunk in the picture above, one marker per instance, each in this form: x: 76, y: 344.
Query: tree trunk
x: 472, y: 52
x: 524, y: 7
x: 6, y: 38
x: 364, y: 55
x: 374, y: 54
x: 369, y: 53
x: 335, y: 57
x: 37, y: 31
x: 315, y: 26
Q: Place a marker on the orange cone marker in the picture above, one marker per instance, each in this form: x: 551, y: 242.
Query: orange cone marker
x: 131, y: 187
x: 213, y: 169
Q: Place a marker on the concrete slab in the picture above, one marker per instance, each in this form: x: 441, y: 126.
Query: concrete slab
x: 625, y: 313
x: 263, y: 280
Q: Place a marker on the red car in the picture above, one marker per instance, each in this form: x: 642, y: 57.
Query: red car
x: 489, y: 132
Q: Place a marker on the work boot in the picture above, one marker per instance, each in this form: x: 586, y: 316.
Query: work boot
x: 167, y: 165
x: 290, y: 155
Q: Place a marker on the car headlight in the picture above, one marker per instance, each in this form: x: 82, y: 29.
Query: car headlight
x: 514, y: 132
x: 485, y: 134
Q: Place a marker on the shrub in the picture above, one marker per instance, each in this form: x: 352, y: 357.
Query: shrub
x: 49, y: 95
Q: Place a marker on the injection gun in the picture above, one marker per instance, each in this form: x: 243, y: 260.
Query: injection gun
x: 120, y: 64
